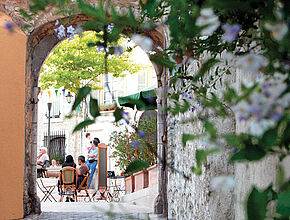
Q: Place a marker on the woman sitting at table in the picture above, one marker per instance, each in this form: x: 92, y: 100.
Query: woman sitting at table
x: 69, y: 162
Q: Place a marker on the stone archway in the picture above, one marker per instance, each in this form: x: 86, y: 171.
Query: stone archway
x: 40, y: 43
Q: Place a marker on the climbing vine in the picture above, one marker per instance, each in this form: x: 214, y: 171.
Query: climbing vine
x: 220, y: 37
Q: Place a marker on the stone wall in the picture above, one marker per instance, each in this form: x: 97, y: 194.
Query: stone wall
x: 193, y: 198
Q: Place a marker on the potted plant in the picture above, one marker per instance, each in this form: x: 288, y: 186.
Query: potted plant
x: 131, y: 146
x: 107, y: 107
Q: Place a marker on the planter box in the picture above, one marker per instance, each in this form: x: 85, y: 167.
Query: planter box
x: 141, y: 180
x: 129, y: 184
x: 153, y: 175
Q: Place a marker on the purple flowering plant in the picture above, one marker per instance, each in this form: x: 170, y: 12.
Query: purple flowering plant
x: 139, y: 144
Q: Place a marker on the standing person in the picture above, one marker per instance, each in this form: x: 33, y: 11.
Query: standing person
x: 87, y: 143
x: 83, y: 169
x: 93, y: 159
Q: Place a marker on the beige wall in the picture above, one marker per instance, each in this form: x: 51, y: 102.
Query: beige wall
x: 12, y: 96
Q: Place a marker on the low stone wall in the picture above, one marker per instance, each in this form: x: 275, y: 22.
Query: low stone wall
x: 144, y: 197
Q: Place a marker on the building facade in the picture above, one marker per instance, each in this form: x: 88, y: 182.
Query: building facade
x: 62, y: 139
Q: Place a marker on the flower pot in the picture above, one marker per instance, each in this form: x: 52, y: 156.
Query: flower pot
x: 153, y: 175
x: 141, y: 180
x: 129, y: 184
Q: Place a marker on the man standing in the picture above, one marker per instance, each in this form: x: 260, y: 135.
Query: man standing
x: 87, y: 143
x: 93, y: 159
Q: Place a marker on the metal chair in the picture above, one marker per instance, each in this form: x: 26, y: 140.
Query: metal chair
x: 46, y: 190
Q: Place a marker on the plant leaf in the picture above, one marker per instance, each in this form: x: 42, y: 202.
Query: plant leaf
x: 250, y: 153
x: 189, y: 137
x: 256, y: 205
x: 83, y: 124
x: 209, y: 127
x: 94, y: 108
x: 83, y: 92
x: 283, y: 206
x: 201, y: 155
x: 205, y: 67
x: 118, y: 114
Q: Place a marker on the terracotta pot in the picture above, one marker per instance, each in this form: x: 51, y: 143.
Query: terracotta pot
x: 129, y: 184
x: 141, y: 180
x: 153, y: 175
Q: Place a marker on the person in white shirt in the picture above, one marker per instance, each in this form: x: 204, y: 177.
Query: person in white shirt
x: 88, y: 144
x: 42, y: 157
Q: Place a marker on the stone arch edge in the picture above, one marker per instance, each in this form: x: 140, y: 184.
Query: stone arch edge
x: 39, y: 44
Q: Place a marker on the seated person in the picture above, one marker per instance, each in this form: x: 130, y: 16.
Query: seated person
x: 41, y: 159
x: 83, y: 170
x: 69, y: 162
x: 53, y: 164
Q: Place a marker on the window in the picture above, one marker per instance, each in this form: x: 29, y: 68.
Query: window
x: 112, y: 83
x: 142, y: 79
x: 55, y: 108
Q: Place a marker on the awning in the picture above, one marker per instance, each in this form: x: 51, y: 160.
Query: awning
x: 144, y: 100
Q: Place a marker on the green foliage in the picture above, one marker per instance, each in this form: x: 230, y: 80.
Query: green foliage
x: 83, y: 92
x: 205, y: 68
x: 94, y: 108
x: 130, y: 146
x: 283, y: 206
x: 189, y: 137
x: 200, y: 157
x: 136, y: 166
x: 76, y: 63
x: 256, y: 205
x: 83, y: 124
x: 118, y: 114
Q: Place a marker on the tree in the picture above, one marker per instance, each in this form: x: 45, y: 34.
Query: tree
x: 73, y: 64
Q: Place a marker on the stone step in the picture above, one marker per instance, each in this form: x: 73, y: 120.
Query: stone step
x: 93, y: 215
